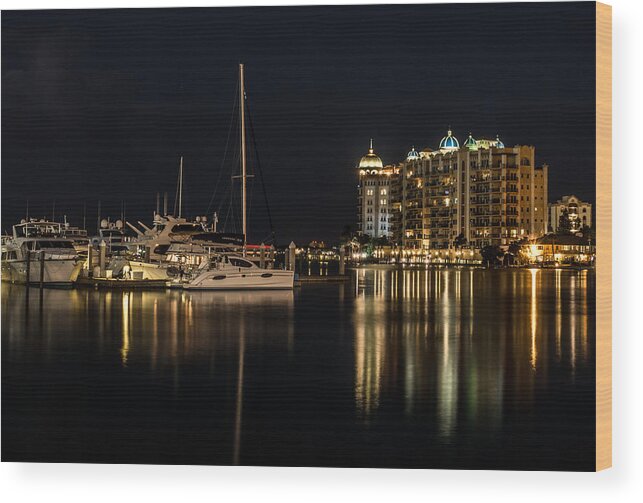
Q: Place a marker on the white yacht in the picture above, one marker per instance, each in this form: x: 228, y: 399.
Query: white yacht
x: 225, y: 271
x: 38, y: 251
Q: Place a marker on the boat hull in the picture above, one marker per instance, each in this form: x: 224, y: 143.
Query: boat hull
x: 150, y: 270
x: 260, y: 280
x: 57, y: 272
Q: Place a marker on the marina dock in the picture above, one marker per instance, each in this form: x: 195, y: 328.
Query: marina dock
x: 114, y: 283
x: 337, y: 278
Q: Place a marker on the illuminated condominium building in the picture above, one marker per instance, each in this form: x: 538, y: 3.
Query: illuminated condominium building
x: 374, y: 196
x: 481, y: 193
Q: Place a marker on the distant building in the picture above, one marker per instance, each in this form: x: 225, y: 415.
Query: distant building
x: 374, y: 196
x: 481, y: 193
x: 561, y: 249
x: 579, y: 212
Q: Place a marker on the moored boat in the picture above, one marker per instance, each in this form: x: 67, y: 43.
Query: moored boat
x: 232, y: 272
x: 38, y: 253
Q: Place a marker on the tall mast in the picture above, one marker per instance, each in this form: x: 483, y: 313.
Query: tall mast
x: 242, y: 114
x: 180, y: 185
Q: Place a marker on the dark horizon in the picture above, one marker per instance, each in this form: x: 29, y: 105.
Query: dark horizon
x: 100, y: 104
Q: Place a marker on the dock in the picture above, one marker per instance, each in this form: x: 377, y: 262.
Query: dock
x: 337, y: 278
x: 124, y: 284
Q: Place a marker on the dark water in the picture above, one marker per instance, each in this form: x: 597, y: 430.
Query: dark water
x: 440, y: 368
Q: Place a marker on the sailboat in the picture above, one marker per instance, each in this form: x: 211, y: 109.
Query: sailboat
x: 223, y: 270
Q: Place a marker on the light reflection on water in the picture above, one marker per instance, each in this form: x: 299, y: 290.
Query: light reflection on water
x: 436, y: 368
x: 462, y: 349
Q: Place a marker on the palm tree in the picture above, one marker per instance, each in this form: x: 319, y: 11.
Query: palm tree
x: 491, y: 255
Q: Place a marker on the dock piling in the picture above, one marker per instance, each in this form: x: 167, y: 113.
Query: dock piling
x: 262, y: 256
x: 28, y: 279
x: 90, y: 259
x: 101, y: 258
x: 42, y: 268
x: 291, y: 256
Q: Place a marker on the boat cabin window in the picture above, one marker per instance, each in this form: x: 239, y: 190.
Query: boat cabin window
x: 9, y: 255
x: 40, y: 245
x: 237, y: 262
x: 186, y: 228
x: 161, y: 249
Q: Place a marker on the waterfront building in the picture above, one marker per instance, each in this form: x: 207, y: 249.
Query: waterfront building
x: 560, y: 249
x: 467, y: 196
x: 374, y: 196
x: 579, y: 213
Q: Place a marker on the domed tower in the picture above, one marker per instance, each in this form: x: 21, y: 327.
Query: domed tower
x: 374, y: 198
x: 471, y: 143
x: 499, y: 143
x: 449, y: 143
x: 413, y: 155
x: 371, y: 160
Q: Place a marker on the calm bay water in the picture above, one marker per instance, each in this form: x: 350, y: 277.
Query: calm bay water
x: 440, y: 368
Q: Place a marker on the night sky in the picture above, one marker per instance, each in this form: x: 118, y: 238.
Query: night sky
x: 100, y: 104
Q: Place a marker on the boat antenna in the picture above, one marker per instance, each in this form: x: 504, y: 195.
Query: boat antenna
x: 180, y: 186
x: 165, y: 204
x: 158, y: 202
x: 85, y: 215
x: 27, y: 218
x: 98, y: 219
x: 179, y: 191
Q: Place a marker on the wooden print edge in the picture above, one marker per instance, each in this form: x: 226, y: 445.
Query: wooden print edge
x: 603, y: 236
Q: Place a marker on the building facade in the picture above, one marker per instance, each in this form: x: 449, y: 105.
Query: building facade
x: 374, y: 196
x: 579, y: 213
x: 560, y: 249
x: 478, y: 194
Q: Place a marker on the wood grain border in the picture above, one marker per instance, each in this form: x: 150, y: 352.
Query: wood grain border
x: 603, y: 236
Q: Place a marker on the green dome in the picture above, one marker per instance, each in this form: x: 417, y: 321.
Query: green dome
x: 470, y: 143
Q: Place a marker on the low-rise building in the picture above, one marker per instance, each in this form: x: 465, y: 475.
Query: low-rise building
x: 560, y: 249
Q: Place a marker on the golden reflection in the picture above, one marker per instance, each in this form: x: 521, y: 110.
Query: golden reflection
x: 533, y: 317
x: 155, y: 331
x: 584, y: 313
x: 572, y: 322
x: 126, y: 328
x: 448, y: 366
x: 559, y: 314
x: 369, y: 342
